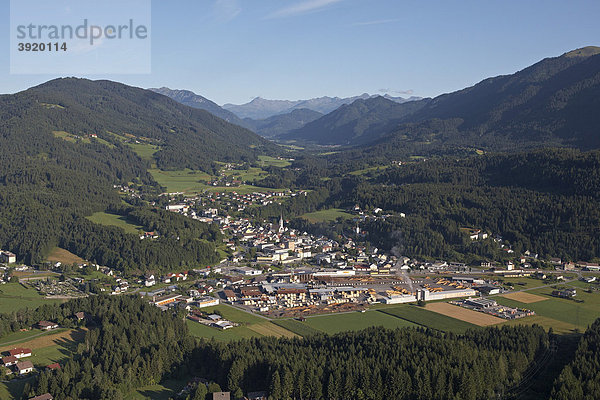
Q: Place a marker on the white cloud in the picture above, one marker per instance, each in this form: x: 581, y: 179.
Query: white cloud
x: 226, y: 10
x: 399, y: 92
x: 376, y: 22
x: 301, y: 8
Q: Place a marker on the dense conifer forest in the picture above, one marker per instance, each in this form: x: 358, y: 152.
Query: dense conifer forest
x: 130, y: 343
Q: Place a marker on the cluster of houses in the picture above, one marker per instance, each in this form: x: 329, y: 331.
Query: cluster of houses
x: 150, y: 280
x: 14, y: 361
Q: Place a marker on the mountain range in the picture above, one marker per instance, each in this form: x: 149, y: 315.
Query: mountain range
x: 553, y: 102
x: 260, y: 108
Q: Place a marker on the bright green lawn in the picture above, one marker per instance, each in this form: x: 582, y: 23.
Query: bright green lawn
x: 427, y: 318
x: 330, y: 214
x: 119, y: 221
x: 299, y: 328
x: 354, y: 321
x: 13, y: 296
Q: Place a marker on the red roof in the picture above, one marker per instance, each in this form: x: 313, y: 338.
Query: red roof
x: 54, y: 366
x: 9, y: 360
x: 19, y: 351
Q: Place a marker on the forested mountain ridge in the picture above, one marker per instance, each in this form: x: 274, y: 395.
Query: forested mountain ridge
x: 187, y: 137
x: 363, y: 121
x: 553, y: 102
x: 64, y: 147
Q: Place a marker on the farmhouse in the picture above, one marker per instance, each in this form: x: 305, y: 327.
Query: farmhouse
x: 24, y: 367
x: 20, y: 352
x: 46, y: 325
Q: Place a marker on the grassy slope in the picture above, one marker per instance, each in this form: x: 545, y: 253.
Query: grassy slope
x: 266, y: 161
x: 326, y: 215
x: 119, y: 221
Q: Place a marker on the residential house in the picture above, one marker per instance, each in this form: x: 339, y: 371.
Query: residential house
x: 46, y: 325
x: 20, y: 352
x: 221, y: 396
x: 9, y: 360
x: 149, y: 280
x: 24, y: 367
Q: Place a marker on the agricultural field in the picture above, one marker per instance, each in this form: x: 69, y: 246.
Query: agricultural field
x: 430, y: 319
x: 330, y: 214
x: 14, y: 296
x: 250, y: 326
x: 524, y: 282
x: 233, y: 314
x: 463, y: 314
x: 354, y: 321
x: 299, y: 328
x: 186, y: 181
x: 54, y: 347
x: 365, y: 171
x: 578, y: 314
x: 119, y: 221
x: 545, y: 322
x: 246, y: 175
x: 64, y: 257
x: 269, y: 329
x: 266, y: 161
x: 524, y: 297
x: 12, y: 339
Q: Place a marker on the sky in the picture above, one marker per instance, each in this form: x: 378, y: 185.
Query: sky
x: 231, y: 51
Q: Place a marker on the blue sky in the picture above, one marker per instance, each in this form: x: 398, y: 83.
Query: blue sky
x: 234, y: 50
